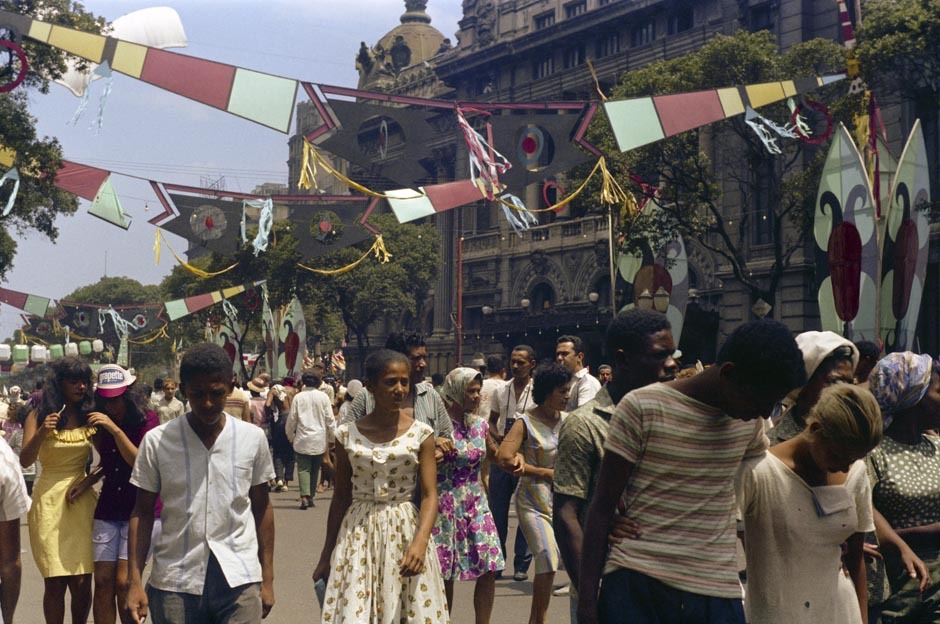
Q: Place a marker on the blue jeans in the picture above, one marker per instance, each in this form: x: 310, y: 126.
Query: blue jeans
x: 502, y: 486
x: 631, y: 597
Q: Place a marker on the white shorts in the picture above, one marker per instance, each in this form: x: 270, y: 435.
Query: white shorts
x: 109, y: 538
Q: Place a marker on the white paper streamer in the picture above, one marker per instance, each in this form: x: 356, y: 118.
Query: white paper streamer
x: 14, y: 175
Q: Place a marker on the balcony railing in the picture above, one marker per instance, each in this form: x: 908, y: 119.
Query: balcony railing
x: 587, y: 229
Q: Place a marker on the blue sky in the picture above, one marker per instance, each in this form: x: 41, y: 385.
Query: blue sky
x: 159, y: 135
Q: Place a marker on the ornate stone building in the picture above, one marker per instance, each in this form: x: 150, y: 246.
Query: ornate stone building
x: 554, y: 278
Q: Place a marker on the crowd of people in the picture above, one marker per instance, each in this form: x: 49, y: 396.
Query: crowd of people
x: 817, y: 454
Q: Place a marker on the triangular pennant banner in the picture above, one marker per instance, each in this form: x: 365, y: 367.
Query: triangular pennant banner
x: 107, y: 206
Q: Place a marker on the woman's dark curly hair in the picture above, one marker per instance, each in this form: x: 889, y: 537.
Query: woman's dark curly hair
x: 70, y: 368
x: 548, y: 376
x: 135, y: 405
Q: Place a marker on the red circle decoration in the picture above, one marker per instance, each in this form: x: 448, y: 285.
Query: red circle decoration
x: 139, y: 321
x: 819, y: 108
x: 16, y: 51
x: 559, y: 192
x: 529, y: 145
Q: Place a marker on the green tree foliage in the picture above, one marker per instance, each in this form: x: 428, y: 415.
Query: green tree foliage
x: 717, y: 181
x: 38, y: 202
x: 899, y: 48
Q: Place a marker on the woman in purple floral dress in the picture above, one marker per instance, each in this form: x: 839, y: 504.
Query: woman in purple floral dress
x: 464, y: 532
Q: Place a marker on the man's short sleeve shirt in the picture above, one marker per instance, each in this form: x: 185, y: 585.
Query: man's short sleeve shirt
x: 206, y: 504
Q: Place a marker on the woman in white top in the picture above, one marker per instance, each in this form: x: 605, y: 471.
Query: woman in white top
x: 803, y: 500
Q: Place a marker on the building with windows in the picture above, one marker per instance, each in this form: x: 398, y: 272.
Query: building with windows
x: 555, y: 278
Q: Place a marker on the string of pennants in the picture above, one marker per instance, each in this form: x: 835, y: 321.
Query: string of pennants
x: 140, y: 322
x: 534, y: 143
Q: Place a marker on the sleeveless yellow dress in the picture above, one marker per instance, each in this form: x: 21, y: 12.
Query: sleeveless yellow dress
x: 59, y: 532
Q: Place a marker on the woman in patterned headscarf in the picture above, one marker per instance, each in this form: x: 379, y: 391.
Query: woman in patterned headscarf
x: 905, y: 475
x: 464, y: 531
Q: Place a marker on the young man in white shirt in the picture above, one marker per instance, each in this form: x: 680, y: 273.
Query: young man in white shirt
x: 214, y: 559
x: 310, y: 428
x: 569, y: 351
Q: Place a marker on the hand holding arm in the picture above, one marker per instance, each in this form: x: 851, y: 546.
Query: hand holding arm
x: 508, y: 456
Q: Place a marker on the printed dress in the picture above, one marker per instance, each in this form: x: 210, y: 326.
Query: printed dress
x: 464, y: 531
x: 364, y: 583
x: 534, y: 495
x: 60, y: 532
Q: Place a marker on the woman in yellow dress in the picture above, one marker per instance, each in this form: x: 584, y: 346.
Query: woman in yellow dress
x: 60, y: 520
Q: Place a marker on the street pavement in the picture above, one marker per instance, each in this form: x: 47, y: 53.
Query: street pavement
x: 299, y: 538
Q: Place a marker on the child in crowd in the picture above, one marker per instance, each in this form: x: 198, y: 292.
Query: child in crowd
x: 378, y: 562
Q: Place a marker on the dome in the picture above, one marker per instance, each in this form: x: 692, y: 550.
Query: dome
x: 408, y: 44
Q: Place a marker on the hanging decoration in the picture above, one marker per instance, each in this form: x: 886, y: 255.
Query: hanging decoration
x: 765, y: 129
x: 13, y: 175
x: 32, y: 304
x: 658, y: 279
x: 13, y: 59
x: 641, y: 121
x: 846, y: 244
x: 378, y: 249
x: 107, y: 206
x: 269, y: 334
x: 904, y: 255
x: 486, y: 164
x: 178, y: 308
x: 292, y: 340
x: 262, y: 98
x: 160, y: 238
x: 386, y: 142
x: 519, y: 219
x: 101, y: 71
x: 228, y: 334
x: 265, y: 222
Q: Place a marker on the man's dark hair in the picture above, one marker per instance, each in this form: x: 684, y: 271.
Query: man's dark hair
x: 158, y: 383
x: 765, y: 357
x: 437, y: 379
x: 575, y: 341
x: 312, y: 377
x: 404, y: 343
x: 204, y: 359
x: 494, y: 364
x: 548, y: 376
x: 631, y: 330
x: 39, y: 384
x: 529, y: 351
x: 869, y: 349
x: 377, y: 363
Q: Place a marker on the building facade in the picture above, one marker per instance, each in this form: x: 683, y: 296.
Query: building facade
x: 554, y: 278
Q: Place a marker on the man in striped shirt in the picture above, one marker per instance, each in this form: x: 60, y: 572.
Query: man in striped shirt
x: 671, y: 456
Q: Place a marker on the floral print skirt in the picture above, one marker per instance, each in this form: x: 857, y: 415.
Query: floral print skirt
x: 365, y: 584
x: 465, y: 534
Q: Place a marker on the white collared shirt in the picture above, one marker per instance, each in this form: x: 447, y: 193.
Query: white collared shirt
x: 584, y: 386
x: 310, y: 423
x: 510, y: 406
x: 14, y: 501
x: 206, y: 508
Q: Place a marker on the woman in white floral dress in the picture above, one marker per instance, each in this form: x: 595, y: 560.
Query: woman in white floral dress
x: 378, y: 560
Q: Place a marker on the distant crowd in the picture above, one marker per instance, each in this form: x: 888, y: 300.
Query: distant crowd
x: 819, y: 455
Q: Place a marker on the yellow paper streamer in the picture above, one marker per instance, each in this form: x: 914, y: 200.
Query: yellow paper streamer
x: 308, y: 170
x: 378, y: 248
x: 597, y: 84
x: 160, y: 333
x: 156, y: 248
x: 192, y: 269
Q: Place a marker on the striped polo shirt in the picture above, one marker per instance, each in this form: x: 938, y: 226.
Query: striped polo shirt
x: 681, y: 491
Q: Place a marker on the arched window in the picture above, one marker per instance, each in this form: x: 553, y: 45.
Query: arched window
x: 542, y: 297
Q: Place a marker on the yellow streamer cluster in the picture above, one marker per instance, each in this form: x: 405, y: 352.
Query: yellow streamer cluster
x: 378, y: 248
x: 192, y: 269
x: 308, y: 174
